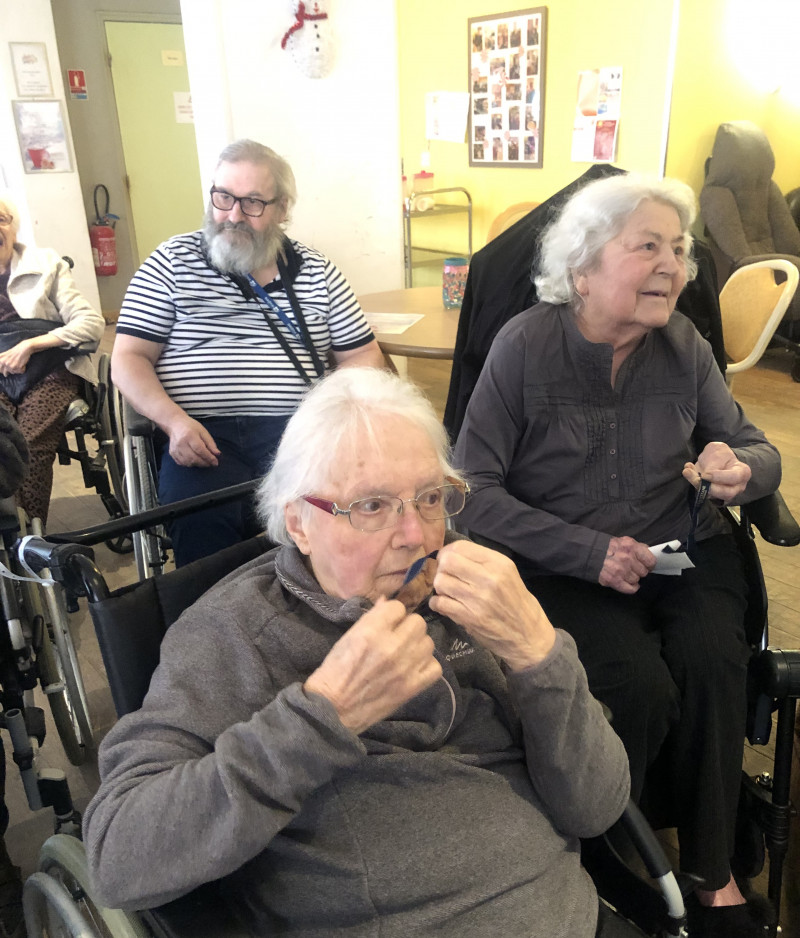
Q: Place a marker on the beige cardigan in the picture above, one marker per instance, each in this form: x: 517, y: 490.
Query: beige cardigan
x: 40, y: 286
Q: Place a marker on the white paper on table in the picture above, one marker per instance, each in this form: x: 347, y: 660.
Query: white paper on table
x: 392, y: 323
x: 669, y: 563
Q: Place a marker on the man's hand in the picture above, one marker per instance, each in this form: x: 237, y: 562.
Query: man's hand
x: 481, y: 590
x: 719, y: 465
x: 190, y: 444
x: 15, y: 360
x: 627, y: 561
x: 380, y: 662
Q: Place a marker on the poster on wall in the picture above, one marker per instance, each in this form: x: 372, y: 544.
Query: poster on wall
x: 42, y: 139
x: 596, y: 124
x: 31, y: 69
x: 506, y: 82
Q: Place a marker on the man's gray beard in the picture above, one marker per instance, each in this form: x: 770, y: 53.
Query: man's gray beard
x: 256, y: 249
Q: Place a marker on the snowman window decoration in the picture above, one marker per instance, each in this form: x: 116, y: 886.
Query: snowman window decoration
x: 309, y: 40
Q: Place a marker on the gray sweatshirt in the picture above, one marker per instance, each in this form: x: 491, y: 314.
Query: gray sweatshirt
x: 459, y: 815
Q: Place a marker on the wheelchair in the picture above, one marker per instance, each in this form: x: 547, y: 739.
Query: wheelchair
x: 96, y: 415
x: 765, y: 810
x: 130, y: 623
x: 38, y: 647
x: 150, y: 544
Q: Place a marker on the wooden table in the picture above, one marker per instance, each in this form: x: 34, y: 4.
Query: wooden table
x: 434, y: 336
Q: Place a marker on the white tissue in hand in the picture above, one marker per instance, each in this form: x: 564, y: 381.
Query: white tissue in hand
x: 671, y: 564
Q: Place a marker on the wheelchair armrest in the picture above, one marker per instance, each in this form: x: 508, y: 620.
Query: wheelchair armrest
x: 201, y: 912
x: 775, y: 523
x: 135, y: 423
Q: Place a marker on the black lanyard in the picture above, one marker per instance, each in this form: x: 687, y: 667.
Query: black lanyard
x: 696, y: 502
x: 303, y: 335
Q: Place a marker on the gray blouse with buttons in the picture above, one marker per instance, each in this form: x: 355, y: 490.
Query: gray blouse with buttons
x: 559, y: 461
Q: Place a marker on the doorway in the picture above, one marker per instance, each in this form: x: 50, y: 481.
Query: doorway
x: 151, y: 92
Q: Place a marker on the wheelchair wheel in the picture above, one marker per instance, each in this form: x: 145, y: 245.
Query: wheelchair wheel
x: 111, y: 430
x: 140, y: 480
x: 67, y: 667
x: 51, y: 674
x: 63, y: 859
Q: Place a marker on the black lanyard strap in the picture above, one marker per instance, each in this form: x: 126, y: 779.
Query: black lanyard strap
x: 319, y: 367
x: 287, y: 349
x: 697, y: 503
x: 250, y: 286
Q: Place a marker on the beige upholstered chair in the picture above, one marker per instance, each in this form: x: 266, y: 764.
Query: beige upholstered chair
x: 509, y: 217
x: 753, y: 304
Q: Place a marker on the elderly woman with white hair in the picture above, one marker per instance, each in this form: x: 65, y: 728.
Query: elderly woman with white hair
x: 46, y: 327
x: 596, y: 416
x: 352, y: 765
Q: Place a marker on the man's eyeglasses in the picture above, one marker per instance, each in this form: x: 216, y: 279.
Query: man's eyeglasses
x: 383, y: 511
x: 224, y: 201
x: 6, y: 219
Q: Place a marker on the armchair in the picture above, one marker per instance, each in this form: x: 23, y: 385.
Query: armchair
x: 747, y: 217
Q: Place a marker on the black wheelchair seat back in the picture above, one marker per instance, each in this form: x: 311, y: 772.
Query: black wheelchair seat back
x: 131, y: 622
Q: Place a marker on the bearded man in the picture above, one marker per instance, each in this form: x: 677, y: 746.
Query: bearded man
x: 219, y: 335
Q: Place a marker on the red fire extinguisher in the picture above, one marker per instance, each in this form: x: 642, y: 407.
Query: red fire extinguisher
x: 103, y: 239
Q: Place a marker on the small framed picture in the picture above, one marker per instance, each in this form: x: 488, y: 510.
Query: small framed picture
x: 42, y: 137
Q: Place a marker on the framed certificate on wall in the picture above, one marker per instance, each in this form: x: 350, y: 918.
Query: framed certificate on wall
x: 31, y: 69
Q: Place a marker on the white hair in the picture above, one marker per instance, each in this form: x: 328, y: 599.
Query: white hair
x: 595, y: 215
x: 10, y: 205
x: 341, y: 411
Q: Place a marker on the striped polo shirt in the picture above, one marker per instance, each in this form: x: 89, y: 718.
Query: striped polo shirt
x: 220, y: 357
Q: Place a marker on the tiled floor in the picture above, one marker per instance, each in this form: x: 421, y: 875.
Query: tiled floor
x: 769, y: 396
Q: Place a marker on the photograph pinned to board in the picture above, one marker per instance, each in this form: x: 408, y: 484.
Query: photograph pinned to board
x: 596, y: 125
x: 42, y: 139
x: 31, y: 69
x: 506, y: 82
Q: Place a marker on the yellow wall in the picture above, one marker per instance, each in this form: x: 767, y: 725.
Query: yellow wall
x: 581, y: 34
x: 709, y: 88
x: 726, y: 79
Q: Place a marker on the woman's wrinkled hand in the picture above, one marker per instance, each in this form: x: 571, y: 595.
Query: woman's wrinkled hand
x: 15, y: 360
x: 482, y: 591
x: 719, y: 465
x: 627, y: 561
x: 380, y: 663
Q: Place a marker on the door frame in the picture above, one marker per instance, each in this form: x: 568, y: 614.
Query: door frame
x: 104, y: 17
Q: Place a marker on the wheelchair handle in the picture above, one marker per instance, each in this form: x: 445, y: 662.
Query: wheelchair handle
x: 37, y: 553
x: 774, y: 521
x: 777, y: 673
x: 128, y: 524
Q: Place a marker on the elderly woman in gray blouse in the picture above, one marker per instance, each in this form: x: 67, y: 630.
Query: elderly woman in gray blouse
x: 596, y: 416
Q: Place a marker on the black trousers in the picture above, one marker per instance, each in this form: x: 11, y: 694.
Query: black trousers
x: 670, y: 662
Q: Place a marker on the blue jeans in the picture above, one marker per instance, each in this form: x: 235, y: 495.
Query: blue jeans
x: 247, y: 445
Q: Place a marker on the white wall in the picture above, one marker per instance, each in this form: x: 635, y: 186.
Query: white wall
x: 339, y: 133
x: 50, y: 203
